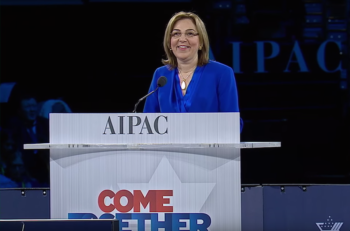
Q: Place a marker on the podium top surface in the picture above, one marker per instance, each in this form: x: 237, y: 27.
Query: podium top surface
x: 241, y: 145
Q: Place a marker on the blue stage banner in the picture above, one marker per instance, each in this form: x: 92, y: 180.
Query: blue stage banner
x: 24, y: 204
x: 267, y: 208
x: 252, y: 208
x: 324, y: 207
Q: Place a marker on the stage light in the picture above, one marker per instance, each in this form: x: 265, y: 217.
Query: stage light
x: 282, y: 189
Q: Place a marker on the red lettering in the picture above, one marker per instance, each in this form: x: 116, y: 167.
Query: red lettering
x: 150, y: 199
x: 101, y: 201
x: 154, y: 198
x: 161, y: 201
x: 126, y: 208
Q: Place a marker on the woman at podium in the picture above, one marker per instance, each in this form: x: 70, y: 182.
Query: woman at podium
x: 194, y: 83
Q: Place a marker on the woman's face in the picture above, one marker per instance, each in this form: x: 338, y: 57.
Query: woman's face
x: 184, y: 41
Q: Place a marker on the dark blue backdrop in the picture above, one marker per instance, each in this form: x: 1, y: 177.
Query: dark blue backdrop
x: 100, y: 57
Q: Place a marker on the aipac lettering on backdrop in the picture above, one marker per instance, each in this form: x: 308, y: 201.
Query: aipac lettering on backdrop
x: 295, y: 56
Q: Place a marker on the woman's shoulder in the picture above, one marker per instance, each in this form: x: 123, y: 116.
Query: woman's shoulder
x: 164, y: 69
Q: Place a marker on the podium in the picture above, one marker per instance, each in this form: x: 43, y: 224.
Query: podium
x: 151, y: 171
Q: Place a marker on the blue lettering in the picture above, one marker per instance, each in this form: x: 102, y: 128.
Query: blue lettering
x: 81, y: 216
x: 107, y: 216
x: 123, y: 224
x: 321, y: 56
x: 172, y: 221
x: 177, y: 224
x: 260, y: 54
x: 299, y: 58
x: 236, y: 50
x: 195, y: 217
x: 166, y: 224
x: 141, y: 218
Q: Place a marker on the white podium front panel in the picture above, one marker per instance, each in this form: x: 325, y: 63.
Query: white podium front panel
x: 145, y: 128
x: 147, y: 190
x: 153, y: 188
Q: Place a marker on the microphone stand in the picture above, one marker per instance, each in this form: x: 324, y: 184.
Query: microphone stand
x: 134, y: 111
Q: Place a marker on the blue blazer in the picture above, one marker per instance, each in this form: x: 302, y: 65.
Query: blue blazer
x: 212, y: 89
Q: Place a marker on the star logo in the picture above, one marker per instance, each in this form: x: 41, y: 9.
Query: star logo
x: 329, y: 225
x: 187, y: 197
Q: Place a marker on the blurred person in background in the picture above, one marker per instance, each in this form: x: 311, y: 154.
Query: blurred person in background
x: 7, y: 152
x: 29, y: 128
x: 53, y: 106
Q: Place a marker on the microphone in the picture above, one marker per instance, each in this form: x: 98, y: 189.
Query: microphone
x: 160, y: 83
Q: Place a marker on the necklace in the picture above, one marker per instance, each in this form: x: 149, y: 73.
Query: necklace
x: 183, y: 82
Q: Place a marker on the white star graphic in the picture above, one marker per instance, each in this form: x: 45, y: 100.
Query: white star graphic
x: 187, y: 197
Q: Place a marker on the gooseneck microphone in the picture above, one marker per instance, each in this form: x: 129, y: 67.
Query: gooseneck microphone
x: 160, y: 83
